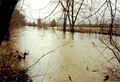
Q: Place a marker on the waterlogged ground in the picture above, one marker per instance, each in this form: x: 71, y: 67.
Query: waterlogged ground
x: 67, y: 57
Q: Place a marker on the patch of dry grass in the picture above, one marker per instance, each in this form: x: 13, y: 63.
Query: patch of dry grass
x: 9, y: 67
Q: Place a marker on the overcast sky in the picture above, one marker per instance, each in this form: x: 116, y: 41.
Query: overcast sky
x: 34, y: 9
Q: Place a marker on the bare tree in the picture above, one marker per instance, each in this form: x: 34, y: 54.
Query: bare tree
x: 39, y: 22
x: 53, y: 23
x: 65, y: 6
x: 71, y: 9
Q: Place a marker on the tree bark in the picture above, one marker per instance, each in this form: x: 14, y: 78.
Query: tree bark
x: 65, y: 21
x: 6, y: 10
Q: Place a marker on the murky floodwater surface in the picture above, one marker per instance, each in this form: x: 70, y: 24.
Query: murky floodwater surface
x: 64, y: 57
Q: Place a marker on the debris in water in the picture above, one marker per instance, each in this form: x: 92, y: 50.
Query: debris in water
x: 70, y: 78
x: 95, y: 70
x: 87, y: 68
x: 106, y: 77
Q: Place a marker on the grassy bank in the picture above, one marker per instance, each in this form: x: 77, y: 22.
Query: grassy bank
x: 116, y: 31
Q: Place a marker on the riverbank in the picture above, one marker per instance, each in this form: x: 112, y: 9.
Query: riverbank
x: 10, y: 70
x: 116, y: 31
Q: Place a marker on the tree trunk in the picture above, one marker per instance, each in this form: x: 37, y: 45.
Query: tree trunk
x: 65, y: 20
x: 6, y: 10
x: 72, y: 17
x: 72, y: 27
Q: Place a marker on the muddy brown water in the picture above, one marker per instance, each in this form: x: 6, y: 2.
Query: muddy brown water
x: 77, y: 57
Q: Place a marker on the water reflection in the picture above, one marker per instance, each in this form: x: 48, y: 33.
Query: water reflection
x: 76, y: 58
x: 64, y: 35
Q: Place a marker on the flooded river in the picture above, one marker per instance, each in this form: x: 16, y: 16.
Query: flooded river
x: 56, y: 56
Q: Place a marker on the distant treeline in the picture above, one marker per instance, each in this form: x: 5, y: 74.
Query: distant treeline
x: 17, y: 19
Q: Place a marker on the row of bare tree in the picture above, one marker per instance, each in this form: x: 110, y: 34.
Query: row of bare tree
x: 70, y: 12
x: 87, y: 12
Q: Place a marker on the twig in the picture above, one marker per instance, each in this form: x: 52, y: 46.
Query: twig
x: 48, y: 54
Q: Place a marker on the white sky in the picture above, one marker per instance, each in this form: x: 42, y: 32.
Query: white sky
x: 32, y: 8
x: 36, y: 8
